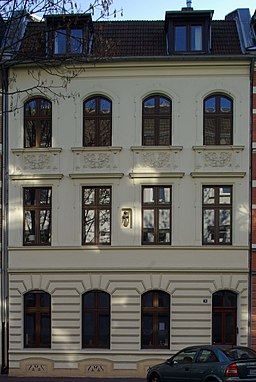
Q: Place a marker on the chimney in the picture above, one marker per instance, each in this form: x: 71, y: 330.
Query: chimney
x: 188, y: 7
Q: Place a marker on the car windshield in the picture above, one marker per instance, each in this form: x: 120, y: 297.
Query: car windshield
x: 239, y: 353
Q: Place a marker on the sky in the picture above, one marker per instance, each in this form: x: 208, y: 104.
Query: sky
x: 155, y: 9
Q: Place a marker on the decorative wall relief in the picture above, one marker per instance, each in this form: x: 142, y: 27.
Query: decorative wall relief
x: 96, y: 160
x: 218, y: 159
x: 37, y: 162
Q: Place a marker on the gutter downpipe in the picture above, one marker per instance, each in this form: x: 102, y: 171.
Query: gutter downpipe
x: 4, y: 255
x: 250, y: 204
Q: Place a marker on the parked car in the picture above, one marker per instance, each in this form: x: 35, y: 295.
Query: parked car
x: 207, y: 363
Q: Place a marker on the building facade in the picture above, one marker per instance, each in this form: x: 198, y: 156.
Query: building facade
x: 129, y: 193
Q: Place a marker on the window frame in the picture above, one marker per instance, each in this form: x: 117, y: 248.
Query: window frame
x: 157, y: 117
x: 96, y: 312
x: 156, y: 206
x: 97, y: 207
x: 67, y: 32
x: 156, y: 312
x: 37, y: 119
x: 216, y: 206
x: 188, y: 35
x: 218, y: 117
x: 98, y: 117
x: 37, y: 207
x: 37, y: 311
x: 223, y: 310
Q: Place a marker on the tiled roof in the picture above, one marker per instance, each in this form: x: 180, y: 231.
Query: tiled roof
x: 132, y: 39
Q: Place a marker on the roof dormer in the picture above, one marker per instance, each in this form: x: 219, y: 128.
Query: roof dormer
x: 68, y: 34
x: 188, y: 31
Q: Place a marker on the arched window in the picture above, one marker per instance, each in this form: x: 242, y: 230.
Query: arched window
x: 156, y: 121
x: 38, y: 123
x: 97, y: 122
x: 155, y: 320
x: 224, y: 317
x: 37, y: 320
x: 96, y: 319
x: 218, y: 120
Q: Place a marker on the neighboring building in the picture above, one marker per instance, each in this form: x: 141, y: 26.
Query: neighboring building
x: 129, y: 193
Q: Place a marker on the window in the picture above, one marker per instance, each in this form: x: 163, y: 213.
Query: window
x: 96, y: 205
x: 156, y: 214
x: 37, y: 320
x: 37, y: 216
x: 38, y: 123
x: 156, y: 124
x: 96, y: 319
x: 184, y: 357
x: 217, y: 215
x: 218, y: 120
x: 224, y: 317
x: 206, y: 356
x: 188, y: 38
x: 68, y: 41
x: 97, y: 122
x: 155, y: 322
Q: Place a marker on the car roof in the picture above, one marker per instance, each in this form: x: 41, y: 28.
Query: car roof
x: 214, y: 347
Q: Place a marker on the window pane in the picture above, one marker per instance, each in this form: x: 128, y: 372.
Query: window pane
x: 164, y: 219
x: 164, y: 132
x: 90, y: 132
x: 164, y: 195
x: 229, y: 327
x: 149, y: 106
x: 45, y: 329
x: 163, y: 330
x: 104, y: 196
x: 30, y: 332
x: 45, y: 133
x: 229, y: 299
x: 210, y: 131
x: 149, y: 132
x: 29, y: 196
x: 45, y: 107
x: 104, y: 229
x: 89, y: 226
x: 45, y: 196
x: 147, y: 330
x: 164, y: 105
x: 148, y: 195
x: 209, y: 195
x: 103, y: 330
x: 196, y: 37
x: 163, y: 300
x: 208, y: 224
x: 217, y: 328
x: 147, y: 299
x: 76, y: 41
x: 90, y: 106
x: 105, y: 132
x: 105, y: 106
x: 45, y: 226
x: 225, y: 195
x: 60, y: 46
x: 210, y: 105
x: 89, y: 328
x: 30, y: 108
x: 88, y: 300
x: 30, y: 299
x: 88, y: 196
x: 180, y: 38
x: 45, y: 300
x: 225, y: 131
x: 30, y: 134
x: 148, y: 218
x: 29, y: 229
x: 225, y: 105
x: 104, y: 300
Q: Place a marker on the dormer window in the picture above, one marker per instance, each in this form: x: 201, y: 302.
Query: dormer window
x: 68, y: 41
x: 68, y: 34
x: 188, y: 31
x: 188, y: 38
